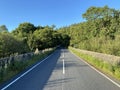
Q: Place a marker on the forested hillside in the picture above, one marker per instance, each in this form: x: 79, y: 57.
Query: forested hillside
x: 27, y: 38
x: 100, y: 31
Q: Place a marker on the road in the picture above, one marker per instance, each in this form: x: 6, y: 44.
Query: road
x: 61, y: 71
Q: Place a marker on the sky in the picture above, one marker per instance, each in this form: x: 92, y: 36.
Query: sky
x: 48, y: 12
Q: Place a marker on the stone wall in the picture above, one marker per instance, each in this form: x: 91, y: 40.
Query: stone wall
x: 4, y: 62
x: 115, y: 60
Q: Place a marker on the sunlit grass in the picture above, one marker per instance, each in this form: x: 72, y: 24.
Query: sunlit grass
x: 108, y: 68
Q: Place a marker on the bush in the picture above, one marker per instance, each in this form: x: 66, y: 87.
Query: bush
x: 10, y: 45
x: 17, y: 66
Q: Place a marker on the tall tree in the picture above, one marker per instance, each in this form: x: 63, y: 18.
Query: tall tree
x: 26, y: 27
x: 3, y: 28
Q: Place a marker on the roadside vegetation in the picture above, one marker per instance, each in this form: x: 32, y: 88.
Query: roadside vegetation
x: 18, y: 66
x: 27, y: 38
x: 100, y: 32
x: 102, y: 65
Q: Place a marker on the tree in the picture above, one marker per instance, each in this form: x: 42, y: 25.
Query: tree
x: 94, y: 13
x: 11, y: 45
x: 24, y: 32
x: 26, y: 27
x: 43, y: 38
x: 56, y: 38
x: 104, y: 19
x: 65, y: 40
x: 3, y: 28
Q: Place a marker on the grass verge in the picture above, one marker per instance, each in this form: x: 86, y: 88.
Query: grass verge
x: 103, y: 66
x: 18, y: 66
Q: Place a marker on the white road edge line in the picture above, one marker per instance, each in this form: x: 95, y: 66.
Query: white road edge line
x: 25, y: 73
x: 99, y: 72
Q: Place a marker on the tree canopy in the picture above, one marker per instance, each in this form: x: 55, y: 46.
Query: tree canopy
x: 27, y: 37
x: 100, y: 32
x: 3, y: 28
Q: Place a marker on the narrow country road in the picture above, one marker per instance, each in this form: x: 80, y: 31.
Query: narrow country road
x: 61, y: 71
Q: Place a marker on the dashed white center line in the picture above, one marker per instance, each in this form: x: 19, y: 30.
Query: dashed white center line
x: 63, y: 63
x: 63, y: 66
x: 63, y: 60
x: 63, y: 55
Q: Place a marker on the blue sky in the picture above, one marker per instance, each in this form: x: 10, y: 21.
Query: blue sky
x: 47, y: 12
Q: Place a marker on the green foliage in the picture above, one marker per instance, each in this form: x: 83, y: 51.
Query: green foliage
x: 100, y: 32
x: 65, y: 40
x: 17, y: 66
x: 117, y: 72
x: 24, y: 32
x: 27, y: 37
x: 10, y: 45
x: 94, y: 13
x: 3, y: 28
x: 45, y: 38
x: 1, y: 74
x: 25, y: 28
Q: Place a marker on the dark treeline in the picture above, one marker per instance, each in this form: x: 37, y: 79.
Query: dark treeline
x: 100, y: 32
x: 27, y: 38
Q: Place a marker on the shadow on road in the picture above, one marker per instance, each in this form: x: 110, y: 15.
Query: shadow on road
x: 55, y: 83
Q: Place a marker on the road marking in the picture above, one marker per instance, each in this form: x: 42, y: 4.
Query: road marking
x: 25, y: 73
x: 63, y: 55
x: 63, y: 63
x: 115, y: 83
x: 63, y: 60
x: 63, y: 66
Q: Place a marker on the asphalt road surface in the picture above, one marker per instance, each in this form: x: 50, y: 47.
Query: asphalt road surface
x: 61, y: 71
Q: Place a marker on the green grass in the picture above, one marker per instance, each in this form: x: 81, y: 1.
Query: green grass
x: 103, y: 66
x: 16, y: 67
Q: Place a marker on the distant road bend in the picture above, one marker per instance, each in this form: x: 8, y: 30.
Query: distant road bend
x: 61, y: 71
